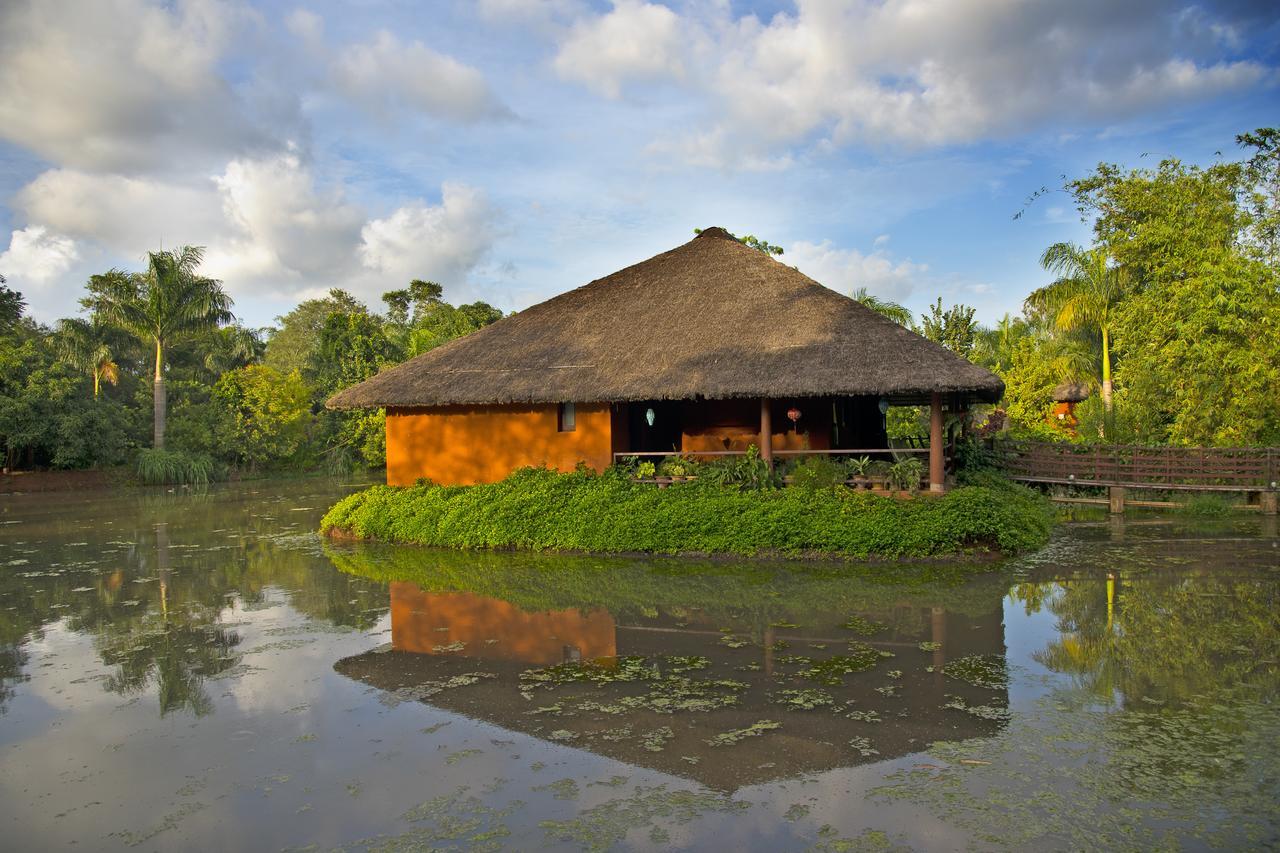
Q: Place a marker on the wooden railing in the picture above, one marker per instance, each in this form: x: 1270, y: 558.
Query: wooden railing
x: 1191, y: 468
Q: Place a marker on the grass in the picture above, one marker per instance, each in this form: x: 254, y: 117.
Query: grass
x: 173, y: 467
x: 607, y: 513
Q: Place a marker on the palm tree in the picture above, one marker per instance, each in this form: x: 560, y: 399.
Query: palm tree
x: 170, y: 300
x: 899, y: 314
x: 84, y: 345
x: 1084, y: 296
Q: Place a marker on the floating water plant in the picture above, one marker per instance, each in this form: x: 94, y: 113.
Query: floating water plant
x: 862, y: 745
x: 756, y: 729
x: 864, y: 627
x: 988, y: 671
x: 802, y: 700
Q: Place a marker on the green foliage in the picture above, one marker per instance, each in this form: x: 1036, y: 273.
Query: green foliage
x: 1198, y: 334
x: 902, y: 422
x: 747, y: 473
x: 11, y: 306
x: 954, y: 328
x: 1206, y: 505
x: 753, y: 242
x: 173, y: 467
x: 262, y: 414
x: 899, y: 314
x: 293, y: 345
x: 161, y: 306
x: 906, y: 473
x: 817, y: 472
x: 541, y: 510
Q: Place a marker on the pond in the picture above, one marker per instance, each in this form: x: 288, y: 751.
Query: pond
x: 201, y: 671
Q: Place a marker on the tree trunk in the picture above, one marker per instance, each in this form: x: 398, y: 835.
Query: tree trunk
x: 1106, y: 371
x: 97, y: 379
x: 160, y: 401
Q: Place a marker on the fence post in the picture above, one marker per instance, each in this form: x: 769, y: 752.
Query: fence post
x: 1116, y: 496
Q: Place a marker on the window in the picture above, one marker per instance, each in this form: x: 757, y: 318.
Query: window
x: 568, y: 418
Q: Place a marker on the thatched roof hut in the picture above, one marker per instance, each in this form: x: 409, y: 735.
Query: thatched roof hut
x: 1071, y: 392
x: 710, y: 319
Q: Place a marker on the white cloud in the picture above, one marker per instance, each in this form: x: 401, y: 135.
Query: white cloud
x: 282, y: 228
x: 919, y: 72
x: 129, y: 214
x: 36, y: 256
x: 386, y: 74
x: 442, y: 242
x: 636, y: 41
x: 847, y: 270
x: 121, y: 84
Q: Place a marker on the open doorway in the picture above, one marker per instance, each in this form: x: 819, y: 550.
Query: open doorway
x: 654, y: 426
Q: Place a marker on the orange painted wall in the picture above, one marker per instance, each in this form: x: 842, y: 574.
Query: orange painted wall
x: 421, y: 622
x: 462, y: 445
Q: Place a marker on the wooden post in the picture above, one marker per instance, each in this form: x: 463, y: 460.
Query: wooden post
x: 937, y: 470
x: 766, y: 432
x: 1116, y: 495
x: 1269, y: 502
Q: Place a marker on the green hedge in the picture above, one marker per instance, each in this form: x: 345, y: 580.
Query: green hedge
x: 607, y: 513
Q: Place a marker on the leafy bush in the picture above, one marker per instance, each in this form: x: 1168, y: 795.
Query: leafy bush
x: 905, y: 474
x: 748, y: 473
x: 817, y: 472
x: 584, y: 511
x: 1206, y: 506
x: 173, y: 467
x: 678, y: 466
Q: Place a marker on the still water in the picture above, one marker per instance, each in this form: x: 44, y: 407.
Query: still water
x: 200, y: 671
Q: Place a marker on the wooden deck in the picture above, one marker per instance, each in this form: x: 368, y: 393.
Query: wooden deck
x: 1119, y: 467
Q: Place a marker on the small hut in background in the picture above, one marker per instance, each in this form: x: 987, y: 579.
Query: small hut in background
x: 1065, y: 398
x: 705, y: 349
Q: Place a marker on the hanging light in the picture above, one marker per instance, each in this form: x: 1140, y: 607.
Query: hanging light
x: 884, y: 405
x: 794, y: 414
x: 649, y: 416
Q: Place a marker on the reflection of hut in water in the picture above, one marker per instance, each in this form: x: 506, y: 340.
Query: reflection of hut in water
x: 488, y: 659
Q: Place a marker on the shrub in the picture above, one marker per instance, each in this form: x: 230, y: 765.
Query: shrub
x: 173, y: 467
x: 817, y: 472
x: 583, y: 511
x: 748, y: 472
x: 906, y: 473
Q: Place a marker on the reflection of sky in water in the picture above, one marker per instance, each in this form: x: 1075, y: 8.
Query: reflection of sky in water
x: 294, y: 751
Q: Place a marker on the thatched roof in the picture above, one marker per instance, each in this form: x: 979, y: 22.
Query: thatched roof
x: 1071, y: 392
x: 712, y: 318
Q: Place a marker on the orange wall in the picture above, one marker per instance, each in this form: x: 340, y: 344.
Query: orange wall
x: 421, y: 622
x: 462, y: 445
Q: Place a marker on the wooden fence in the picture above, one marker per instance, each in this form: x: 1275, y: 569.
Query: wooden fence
x: 1227, y: 469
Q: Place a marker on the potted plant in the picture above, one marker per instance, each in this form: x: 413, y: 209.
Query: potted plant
x: 905, y: 475
x: 859, y: 468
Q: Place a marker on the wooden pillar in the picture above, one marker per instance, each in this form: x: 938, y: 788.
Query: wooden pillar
x: 937, y: 469
x: 766, y: 432
x: 1116, y: 496
x: 1269, y: 502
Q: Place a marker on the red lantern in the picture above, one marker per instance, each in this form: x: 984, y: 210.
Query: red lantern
x: 794, y: 414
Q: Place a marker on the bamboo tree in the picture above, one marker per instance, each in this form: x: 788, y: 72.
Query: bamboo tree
x: 1084, y: 296
x: 160, y: 306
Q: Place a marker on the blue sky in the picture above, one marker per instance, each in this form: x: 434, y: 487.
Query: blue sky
x: 513, y: 149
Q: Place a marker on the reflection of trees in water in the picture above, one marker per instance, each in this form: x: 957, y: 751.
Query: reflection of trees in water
x: 155, y: 601
x: 177, y: 648
x: 1166, y: 636
x: 12, y: 661
x: 176, y: 652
